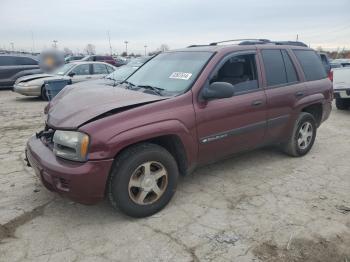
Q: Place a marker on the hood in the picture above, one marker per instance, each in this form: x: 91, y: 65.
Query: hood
x: 32, y: 77
x: 79, y: 103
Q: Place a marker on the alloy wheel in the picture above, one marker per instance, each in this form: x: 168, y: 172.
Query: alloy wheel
x: 148, y: 183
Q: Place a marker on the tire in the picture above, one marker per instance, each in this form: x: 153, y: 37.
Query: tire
x: 341, y: 104
x: 43, y: 95
x: 129, y: 169
x: 296, y: 147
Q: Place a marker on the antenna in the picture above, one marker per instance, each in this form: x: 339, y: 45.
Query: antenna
x: 109, y: 40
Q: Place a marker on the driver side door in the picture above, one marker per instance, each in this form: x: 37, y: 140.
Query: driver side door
x: 229, y: 125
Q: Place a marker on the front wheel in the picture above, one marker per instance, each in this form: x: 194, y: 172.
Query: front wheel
x: 143, y: 180
x: 43, y: 93
x: 303, y: 137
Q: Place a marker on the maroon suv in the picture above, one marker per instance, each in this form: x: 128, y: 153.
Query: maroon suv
x: 180, y: 110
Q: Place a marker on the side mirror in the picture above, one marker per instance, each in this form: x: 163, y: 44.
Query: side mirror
x: 218, y: 90
x: 71, y: 74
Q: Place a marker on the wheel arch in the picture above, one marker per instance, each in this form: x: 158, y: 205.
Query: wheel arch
x: 316, y: 110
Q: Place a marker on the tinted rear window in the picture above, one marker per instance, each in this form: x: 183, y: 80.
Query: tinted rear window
x: 311, y: 64
x: 290, y: 70
x: 274, y: 67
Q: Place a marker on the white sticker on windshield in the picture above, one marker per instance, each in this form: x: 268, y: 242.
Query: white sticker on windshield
x: 180, y: 75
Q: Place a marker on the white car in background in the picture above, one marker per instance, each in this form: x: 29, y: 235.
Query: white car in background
x: 341, y: 87
x: 34, y: 85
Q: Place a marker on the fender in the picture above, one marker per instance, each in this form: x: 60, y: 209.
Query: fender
x: 309, y: 100
x: 153, y: 130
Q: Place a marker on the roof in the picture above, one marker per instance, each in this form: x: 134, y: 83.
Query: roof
x: 245, y: 44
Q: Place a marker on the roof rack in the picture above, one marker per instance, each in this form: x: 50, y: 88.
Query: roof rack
x: 253, y: 41
x: 240, y: 40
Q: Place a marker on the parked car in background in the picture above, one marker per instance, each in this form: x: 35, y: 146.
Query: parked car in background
x: 123, y: 72
x: 182, y: 109
x: 72, y: 58
x: 120, y: 61
x: 342, y: 61
x: 341, y: 87
x: 34, y: 85
x: 100, y: 58
x: 13, y: 67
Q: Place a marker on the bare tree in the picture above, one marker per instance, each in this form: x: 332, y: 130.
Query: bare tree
x: 90, y: 49
x: 67, y: 51
x: 163, y: 48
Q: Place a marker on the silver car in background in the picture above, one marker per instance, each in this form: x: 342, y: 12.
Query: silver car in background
x: 34, y: 85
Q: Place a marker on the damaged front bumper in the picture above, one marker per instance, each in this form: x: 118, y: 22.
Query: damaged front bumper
x: 82, y: 182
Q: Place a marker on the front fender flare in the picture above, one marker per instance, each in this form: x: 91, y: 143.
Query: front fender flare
x: 153, y: 130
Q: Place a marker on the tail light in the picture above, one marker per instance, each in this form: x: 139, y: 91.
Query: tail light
x: 330, y: 75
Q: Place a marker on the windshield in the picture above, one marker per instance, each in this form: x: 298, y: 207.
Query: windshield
x: 63, y: 69
x: 173, y: 72
x: 122, y: 73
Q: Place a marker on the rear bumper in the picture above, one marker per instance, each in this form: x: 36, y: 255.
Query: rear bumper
x: 327, y: 108
x: 82, y: 182
x: 341, y: 93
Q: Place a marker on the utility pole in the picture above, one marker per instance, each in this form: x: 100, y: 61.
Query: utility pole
x: 126, y: 47
x: 33, y: 45
x: 297, y: 37
x: 12, y: 46
x: 145, y: 46
x: 109, y: 40
x: 54, y: 44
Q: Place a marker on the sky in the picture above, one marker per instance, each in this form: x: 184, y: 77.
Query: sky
x: 34, y: 24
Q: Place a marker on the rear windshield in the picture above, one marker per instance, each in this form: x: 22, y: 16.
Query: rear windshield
x: 174, y: 72
x: 311, y: 64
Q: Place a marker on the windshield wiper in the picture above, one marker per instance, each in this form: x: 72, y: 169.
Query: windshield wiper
x: 157, y: 90
x: 129, y: 84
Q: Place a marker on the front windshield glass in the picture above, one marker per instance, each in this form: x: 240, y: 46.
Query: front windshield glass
x: 173, y: 72
x: 63, y: 69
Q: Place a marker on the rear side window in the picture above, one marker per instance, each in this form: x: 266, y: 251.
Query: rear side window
x: 100, y: 69
x: 311, y: 64
x: 274, y: 67
x: 290, y: 69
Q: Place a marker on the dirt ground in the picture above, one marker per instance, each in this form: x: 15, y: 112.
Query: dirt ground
x: 258, y: 206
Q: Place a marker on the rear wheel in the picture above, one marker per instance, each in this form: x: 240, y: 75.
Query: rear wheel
x: 43, y: 93
x: 143, y: 180
x: 303, y: 137
x: 341, y: 103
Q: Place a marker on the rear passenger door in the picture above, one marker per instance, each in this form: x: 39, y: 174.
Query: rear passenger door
x: 283, y: 88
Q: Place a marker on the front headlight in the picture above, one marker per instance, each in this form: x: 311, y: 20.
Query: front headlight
x: 71, y: 145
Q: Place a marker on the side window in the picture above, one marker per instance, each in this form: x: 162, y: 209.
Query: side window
x: 100, y: 69
x: 311, y: 64
x: 274, y: 67
x: 25, y: 61
x: 239, y: 71
x: 82, y: 70
x: 7, y: 61
x: 290, y: 69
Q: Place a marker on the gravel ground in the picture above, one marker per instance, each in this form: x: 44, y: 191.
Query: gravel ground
x: 258, y: 206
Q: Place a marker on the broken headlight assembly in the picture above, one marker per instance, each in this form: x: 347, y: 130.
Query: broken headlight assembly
x: 71, y: 145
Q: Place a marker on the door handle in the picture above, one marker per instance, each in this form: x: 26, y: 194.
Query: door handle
x: 256, y: 103
x: 299, y: 94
